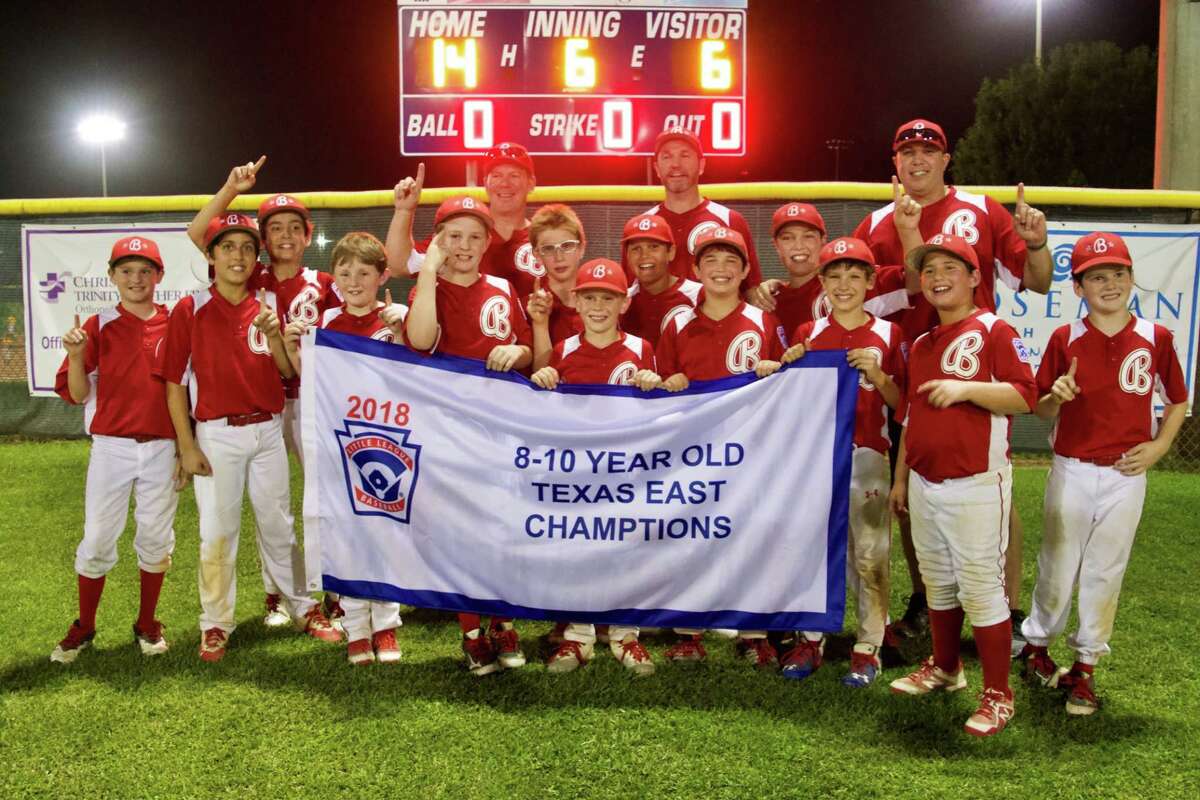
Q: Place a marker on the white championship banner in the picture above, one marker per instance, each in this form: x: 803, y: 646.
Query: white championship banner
x: 65, y: 272
x: 437, y: 484
x: 1166, y: 274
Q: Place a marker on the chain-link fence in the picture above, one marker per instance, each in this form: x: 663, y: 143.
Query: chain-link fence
x: 603, y: 220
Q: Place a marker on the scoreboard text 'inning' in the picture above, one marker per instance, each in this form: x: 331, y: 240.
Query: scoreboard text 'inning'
x: 588, y: 77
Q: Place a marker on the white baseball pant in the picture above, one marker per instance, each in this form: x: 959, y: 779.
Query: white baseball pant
x: 1091, y: 518
x: 365, y: 617
x: 585, y: 632
x: 117, y: 466
x: 960, y: 533
x: 253, y: 458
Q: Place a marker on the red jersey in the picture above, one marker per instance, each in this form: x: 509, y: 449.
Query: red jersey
x: 1117, y: 377
x: 303, y: 297
x: 511, y: 259
x: 649, y: 314
x: 564, y: 320
x: 980, y: 220
x: 688, y: 226
x: 795, y: 306
x: 213, y: 347
x: 126, y: 398
x: 885, y: 340
x: 963, y: 439
x: 705, y: 349
x: 369, y: 324
x: 579, y: 361
x: 474, y: 319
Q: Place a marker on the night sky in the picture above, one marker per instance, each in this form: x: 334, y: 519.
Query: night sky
x: 314, y: 86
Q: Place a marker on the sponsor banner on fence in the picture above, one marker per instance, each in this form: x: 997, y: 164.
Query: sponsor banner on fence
x: 65, y: 272
x: 1166, y: 273
x: 432, y: 482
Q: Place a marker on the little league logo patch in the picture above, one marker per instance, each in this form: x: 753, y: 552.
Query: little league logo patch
x: 380, y: 466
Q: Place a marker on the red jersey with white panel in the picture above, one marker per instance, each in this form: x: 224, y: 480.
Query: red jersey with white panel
x: 370, y: 325
x: 214, y: 349
x: 565, y: 321
x: 886, y: 341
x: 649, y: 314
x: 705, y: 349
x: 979, y: 219
x: 688, y: 226
x: 579, y: 361
x: 474, y: 319
x: 963, y: 439
x: 304, y: 297
x: 511, y: 259
x: 126, y: 398
x: 796, y: 306
x: 1118, y: 377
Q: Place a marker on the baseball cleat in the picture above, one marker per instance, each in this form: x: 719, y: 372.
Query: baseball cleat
x: 864, y: 667
x: 994, y: 712
x: 758, y: 652
x: 507, y: 644
x: 76, y: 640
x: 151, y: 640
x: 331, y: 607
x: 803, y: 659
x: 689, y: 649
x: 725, y: 633
x: 481, y: 656
x: 930, y: 678
x: 1018, y: 639
x: 1037, y: 665
x: 317, y: 625
x: 386, y: 648
x: 360, y: 653
x: 212, y: 645
x: 569, y: 657
x: 1082, y: 701
x: 276, y: 617
x: 633, y: 656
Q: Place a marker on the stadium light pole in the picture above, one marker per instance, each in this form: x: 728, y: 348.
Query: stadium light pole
x: 101, y: 129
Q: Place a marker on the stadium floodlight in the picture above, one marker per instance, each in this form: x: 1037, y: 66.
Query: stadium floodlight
x: 101, y: 129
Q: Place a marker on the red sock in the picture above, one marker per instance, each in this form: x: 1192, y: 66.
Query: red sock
x: 89, y: 599
x: 994, y: 644
x: 468, y: 622
x: 945, y: 628
x: 151, y: 585
x: 1082, y: 668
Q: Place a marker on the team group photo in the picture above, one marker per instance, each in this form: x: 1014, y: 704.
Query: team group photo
x: 599, y: 455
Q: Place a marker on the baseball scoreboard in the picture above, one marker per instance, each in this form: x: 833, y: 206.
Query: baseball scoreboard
x: 578, y: 77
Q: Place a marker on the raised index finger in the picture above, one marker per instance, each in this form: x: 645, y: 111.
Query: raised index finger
x: 420, y: 177
x: 1020, y: 194
x: 262, y: 298
x: 76, y: 320
x: 258, y: 165
x: 1074, y: 366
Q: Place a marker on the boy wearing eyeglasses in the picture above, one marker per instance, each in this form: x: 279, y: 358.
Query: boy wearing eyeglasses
x: 556, y: 235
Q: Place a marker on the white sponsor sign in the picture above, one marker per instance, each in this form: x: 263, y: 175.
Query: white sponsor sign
x: 65, y: 272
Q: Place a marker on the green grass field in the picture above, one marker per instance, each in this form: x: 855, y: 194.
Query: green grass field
x: 285, y: 716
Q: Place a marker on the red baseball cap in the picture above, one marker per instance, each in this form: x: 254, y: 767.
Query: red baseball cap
x: 647, y: 226
x: 847, y: 248
x: 1097, y: 249
x: 508, y: 153
x: 920, y: 130
x: 601, y: 273
x: 282, y: 202
x: 463, y: 204
x: 681, y: 135
x: 725, y: 236
x: 231, y: 221
x: 956, y: 246
x: 135, y: 247
x: 797, y: 212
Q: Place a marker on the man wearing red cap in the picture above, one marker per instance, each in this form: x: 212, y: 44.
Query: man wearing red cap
x: 679, y: 163
x: 966, y: 378
x: 109, y: 367
x: 1098, y: 380
x: 1009, y: 249
x: 508, y: 180
x: 657, y: 294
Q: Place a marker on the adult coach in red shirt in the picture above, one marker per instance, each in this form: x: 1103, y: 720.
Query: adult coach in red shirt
x: 1009, y: 249
x: 679, y: 163
x: 508, y: 180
